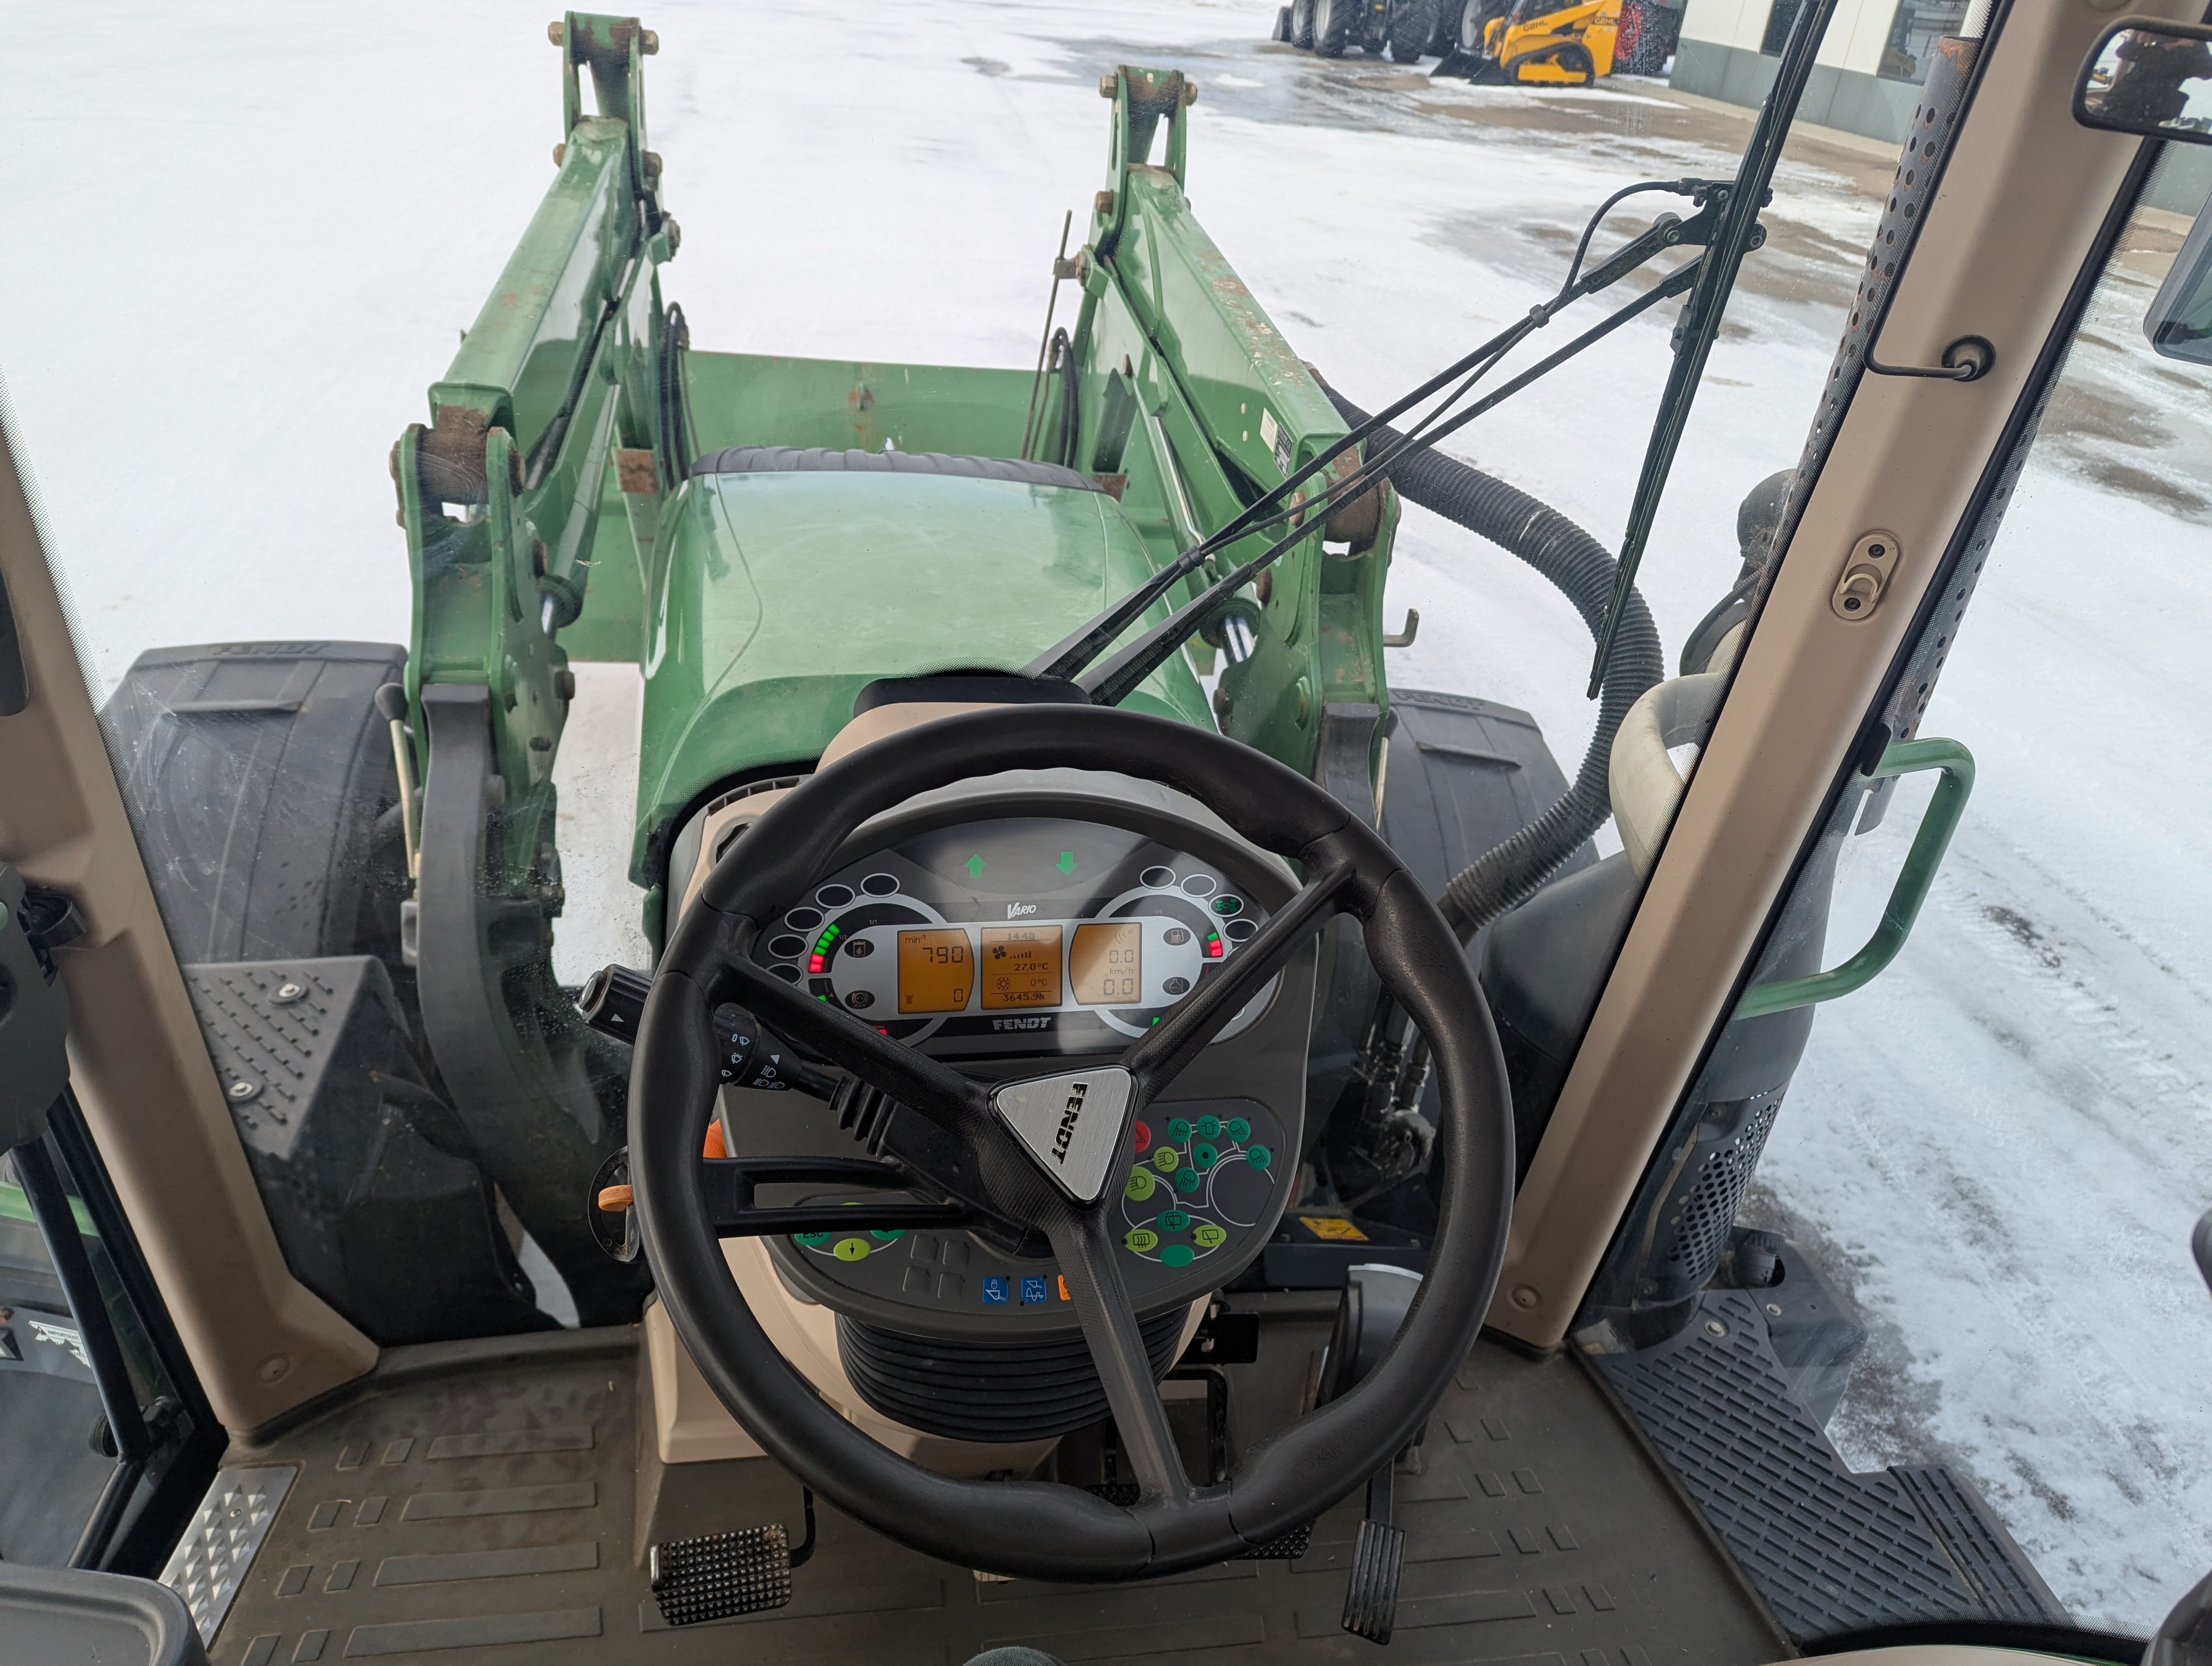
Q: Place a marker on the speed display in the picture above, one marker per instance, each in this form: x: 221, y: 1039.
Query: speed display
x: 1018, y: 935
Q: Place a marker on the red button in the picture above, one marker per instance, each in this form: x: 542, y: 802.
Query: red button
x: 1143, y: 1137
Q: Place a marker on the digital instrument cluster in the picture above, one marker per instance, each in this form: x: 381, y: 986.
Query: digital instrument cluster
x: 1028, y: 935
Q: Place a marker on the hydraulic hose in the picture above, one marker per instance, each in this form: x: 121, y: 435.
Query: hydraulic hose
x: 1509, y: 873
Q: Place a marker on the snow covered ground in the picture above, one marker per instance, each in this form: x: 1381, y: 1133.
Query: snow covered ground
x: 242, y: 242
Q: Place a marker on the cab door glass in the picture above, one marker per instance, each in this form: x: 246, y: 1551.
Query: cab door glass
x: 1997, y: 1150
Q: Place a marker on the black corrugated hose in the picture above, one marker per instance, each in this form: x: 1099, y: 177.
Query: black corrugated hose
x: 1510, y: 873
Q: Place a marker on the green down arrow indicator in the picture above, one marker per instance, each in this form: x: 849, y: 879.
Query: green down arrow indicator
x: 974, y: 867
x: 1067, y: 863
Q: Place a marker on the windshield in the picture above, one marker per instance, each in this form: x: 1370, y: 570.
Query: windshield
x: 1992, y: 1154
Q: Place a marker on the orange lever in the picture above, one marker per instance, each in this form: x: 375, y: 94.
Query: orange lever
x: 614, y: 1199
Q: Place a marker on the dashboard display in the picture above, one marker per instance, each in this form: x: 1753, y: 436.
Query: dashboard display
x: 1106, y: 965
x: 1019, y: 935
x: 1021, y: 967
x: 935, y: 971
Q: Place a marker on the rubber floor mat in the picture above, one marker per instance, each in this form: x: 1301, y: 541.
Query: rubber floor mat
x: 469, y: 1498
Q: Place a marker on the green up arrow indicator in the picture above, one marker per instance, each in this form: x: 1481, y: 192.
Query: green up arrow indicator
x: 1067, y: 861
x: 974, y: 867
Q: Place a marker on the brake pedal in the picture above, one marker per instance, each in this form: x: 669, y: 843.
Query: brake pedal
x: 718, y: 1575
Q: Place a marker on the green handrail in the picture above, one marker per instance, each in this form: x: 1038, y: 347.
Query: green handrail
x: 1904, y: 757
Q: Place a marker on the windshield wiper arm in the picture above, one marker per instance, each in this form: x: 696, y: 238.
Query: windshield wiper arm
x: 1069, y: 656
x: 1739, y: 233
x: 1114, y: 681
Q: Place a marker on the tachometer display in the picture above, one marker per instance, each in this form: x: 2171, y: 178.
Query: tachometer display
x: 936, y: 971
x: 1021, y: 967
x: 1106, y: 965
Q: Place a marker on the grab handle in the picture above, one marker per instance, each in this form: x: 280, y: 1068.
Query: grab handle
x: 1903, y: 757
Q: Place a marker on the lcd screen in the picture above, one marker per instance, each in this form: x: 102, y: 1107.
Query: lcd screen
x: 1021, y: 966
x: 1106, y: 965
x: 936, y: 970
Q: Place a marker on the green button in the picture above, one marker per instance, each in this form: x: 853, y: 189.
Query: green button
x: 1178, y: 1129
x: 1208, y: 1236
x: 1172, y: 1221
x: 1165, y: 1159
x: 1226, y: 904
x: 1178, y: 1254
x: 1209, y: 1128
x: 1203, y: 1156
x: 882, y: 1237
x: 1139, y: 1187
x: 1239, y: 1129
x: 1143, y: 1239
x: 851, y: 1250
x: 1186, y: 1181
x: 1258, y: 1157
x: 811, y: 1240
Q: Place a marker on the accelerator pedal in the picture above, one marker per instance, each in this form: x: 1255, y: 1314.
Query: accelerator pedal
x: 1370, y: 1601
x: 718, y: 1575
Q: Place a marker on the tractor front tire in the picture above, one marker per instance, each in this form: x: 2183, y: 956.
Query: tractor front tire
x: 1282, y: 24
x: 1332, y: 27
x: 1302, y: 24
x: 1413, y: 26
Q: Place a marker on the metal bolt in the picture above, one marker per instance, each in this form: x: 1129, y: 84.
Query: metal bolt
x: 557, y: 33
x: 1525, y: 1296
x: 1189, y: 93
x: 1106, y: 87
x: 241, y: 1091
x: 286, y: 993
x: 1774, y: 1309
x: 1715, y: 1327
x: 560, y: 155
x: 1104, y: 202
x: 649, y: 42
x: 652, y: 164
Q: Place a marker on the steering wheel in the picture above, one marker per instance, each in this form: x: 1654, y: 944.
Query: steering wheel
x: 1008, y: 1157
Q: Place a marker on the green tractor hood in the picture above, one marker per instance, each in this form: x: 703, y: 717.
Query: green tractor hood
x: 783, y: 594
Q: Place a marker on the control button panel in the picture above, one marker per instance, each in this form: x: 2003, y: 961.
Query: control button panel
x: 1199, y: 1181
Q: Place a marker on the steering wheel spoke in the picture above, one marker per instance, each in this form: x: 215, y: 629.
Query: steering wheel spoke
x: 1159, y: 1055
x: 1081, y: 1240
x: 952, y: 1101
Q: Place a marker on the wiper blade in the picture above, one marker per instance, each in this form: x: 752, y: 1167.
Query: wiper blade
x: 1738, y: 233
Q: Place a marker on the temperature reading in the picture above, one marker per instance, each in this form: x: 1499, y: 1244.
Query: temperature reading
x: 1106, y: 965
x: 935, y: 971
x: 1021, y: 966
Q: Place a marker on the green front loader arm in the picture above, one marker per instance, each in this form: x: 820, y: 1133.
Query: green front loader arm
x: 1188, y: 388
x: 566, y: 370
x: 569, y: 365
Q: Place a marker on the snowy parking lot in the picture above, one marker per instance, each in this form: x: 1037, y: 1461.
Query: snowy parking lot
x: 242, y: 242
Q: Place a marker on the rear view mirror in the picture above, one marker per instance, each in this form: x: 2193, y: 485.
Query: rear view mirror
x: 2151, y: 78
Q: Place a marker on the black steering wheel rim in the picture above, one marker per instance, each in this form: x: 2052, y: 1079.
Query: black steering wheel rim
x: 1045, y: 1530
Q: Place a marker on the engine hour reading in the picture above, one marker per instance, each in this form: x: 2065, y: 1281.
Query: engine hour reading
x: 1021, y: 967
x: 1106, y: 965
x: 936, y: 970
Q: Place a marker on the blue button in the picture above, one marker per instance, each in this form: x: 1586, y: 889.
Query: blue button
x: 994, y: 1291
x: 1033, y: 1289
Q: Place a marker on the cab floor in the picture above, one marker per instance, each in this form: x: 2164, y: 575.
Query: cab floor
x: 482, y: 1501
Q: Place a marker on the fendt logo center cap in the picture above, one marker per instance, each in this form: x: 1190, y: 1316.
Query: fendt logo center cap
x: 1071, y: 1124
